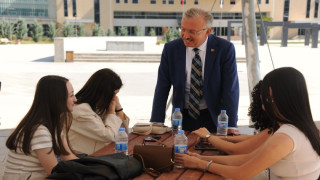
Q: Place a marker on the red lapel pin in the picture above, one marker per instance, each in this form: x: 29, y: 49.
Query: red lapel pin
x: 212, y: 50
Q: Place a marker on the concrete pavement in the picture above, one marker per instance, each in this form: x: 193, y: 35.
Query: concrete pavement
x: 21, y: 66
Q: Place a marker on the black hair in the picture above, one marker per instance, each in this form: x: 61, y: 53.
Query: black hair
x: 285, y: 98
x: 99, y: 90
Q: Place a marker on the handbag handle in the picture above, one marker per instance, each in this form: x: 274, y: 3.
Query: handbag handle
x: 164, y: 145
x: 153, y: 172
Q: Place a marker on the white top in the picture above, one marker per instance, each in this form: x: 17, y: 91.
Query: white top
x: 302, y: 163
x: 18, y: 162
x: 189, y: 56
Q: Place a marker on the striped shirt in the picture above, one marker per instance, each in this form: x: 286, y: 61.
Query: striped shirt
x: 18, y: 162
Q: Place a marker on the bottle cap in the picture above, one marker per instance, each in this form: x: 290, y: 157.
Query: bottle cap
x: 177, y: 109
x: 122, y: 129
x: 223, y: 111
x: 181, y: 132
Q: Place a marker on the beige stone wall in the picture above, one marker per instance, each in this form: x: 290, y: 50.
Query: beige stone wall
x: 274, y: 9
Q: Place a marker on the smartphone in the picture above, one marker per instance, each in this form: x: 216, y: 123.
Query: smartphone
x: 204, y: 145
x: 148, y: 139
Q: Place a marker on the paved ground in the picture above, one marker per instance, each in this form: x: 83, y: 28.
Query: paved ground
x: 21, y: 66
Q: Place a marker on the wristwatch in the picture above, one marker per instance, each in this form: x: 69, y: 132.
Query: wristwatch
x: 208, y: 135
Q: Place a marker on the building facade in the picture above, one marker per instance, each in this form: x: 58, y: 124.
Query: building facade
x: 159, y: 14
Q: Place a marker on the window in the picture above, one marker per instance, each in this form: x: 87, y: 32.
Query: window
x: 135, y: 1
x: 267, y: 1
x: 74, y: 8
x: 183, y: 2
x: 164, y: 1
x: 259, y: 1
x: 316, y: 8
x: 286, y: 10
x: 196, y: 2
x: 65, y: 6
x: 171, y: 2
x: 308, y: 9
x: 117, y: 1
x: 153, y: 2
x: 125, y: 1
x: 232, y: 1
x: 301, y: 32
x: 97, y: 11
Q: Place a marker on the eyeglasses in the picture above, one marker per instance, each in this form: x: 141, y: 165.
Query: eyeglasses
x: 193, y: 32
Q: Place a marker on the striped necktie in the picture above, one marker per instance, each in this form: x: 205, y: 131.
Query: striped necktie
x: 195, y: 85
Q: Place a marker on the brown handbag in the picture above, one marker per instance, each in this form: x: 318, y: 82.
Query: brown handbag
x: 155, y: 159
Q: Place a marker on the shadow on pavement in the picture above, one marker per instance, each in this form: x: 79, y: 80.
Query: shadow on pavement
x: 46, y: 59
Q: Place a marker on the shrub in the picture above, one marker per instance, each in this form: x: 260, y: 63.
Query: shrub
x: 138, y: 31
x: 123, y: 31
x: 110, y: 33
x: 36, y: 31
x: 81, y: 30
x: 97, y: 30
x: 52, y: 32
x: 67, y: 30
x: 152, y: 32
x: 21, y: 29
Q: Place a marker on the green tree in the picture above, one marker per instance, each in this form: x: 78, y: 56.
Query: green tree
x: 67, y: 30
x: 21, y: 29
x: 176, y: 33
x: 110, y: 33
x: 138, y: 31
x: 97, y: 30
x: 52, y: 32
x: 152, y: 32
x: 5, y: 29
x: 36, y: 31
x: 81, y: 30
x: 169, y: 36
x: 264, y: 18
x: 123, y: 31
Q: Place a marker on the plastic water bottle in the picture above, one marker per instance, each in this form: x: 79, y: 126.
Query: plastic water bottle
x: 180, y: 144
x: 176, y: 121
x: 222, y: 127
x: 122, y: 141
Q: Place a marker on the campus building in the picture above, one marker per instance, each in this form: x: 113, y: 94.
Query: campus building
x: 159, y: 14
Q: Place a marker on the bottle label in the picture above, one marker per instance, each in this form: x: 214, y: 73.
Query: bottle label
x: 177, y: 122
x: 223, y: 124
x: 182, y: 149
x: 121, y: 146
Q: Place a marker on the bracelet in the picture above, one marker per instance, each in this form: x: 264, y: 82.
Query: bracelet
x: 118, y: 110
x: 207, y: 166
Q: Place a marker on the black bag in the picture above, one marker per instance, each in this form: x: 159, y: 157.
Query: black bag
x: 113, y: 166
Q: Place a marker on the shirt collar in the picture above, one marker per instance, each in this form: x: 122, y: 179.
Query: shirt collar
x: 202, y: 47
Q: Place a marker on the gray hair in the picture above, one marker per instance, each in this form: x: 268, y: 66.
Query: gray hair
x: 198, y: 12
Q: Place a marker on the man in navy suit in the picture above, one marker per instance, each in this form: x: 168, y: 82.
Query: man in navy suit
x: 220, y: 85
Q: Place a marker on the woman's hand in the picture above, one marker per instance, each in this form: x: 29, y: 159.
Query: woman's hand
x: 112, y: 107
x: 117, y: 101
x: 201, y: 132
x: 186, y: 160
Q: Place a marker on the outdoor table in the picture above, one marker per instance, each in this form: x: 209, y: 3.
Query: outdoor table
x: 176, y: 173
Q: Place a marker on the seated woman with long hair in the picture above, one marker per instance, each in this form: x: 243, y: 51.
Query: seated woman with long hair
x: 98, y: 114
x: 293, y: 150
x: 42, y: 133
x: 245, y: 143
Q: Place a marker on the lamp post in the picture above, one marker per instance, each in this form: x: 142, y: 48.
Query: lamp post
x: 75, y: 20
x: 10, y: 29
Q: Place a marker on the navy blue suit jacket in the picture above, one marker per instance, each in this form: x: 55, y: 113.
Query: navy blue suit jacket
x: 220, y: 85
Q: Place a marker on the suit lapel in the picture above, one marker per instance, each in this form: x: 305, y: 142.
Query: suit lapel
x: 210, y: 58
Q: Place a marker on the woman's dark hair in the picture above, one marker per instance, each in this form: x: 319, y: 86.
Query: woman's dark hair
x: 285, y: 98
x: 99, y: 90
x: 49, y: 108
x: 258, y: 116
